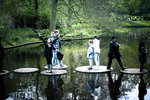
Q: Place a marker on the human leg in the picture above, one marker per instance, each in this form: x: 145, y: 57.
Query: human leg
x: 90, y: 63
x: 109, y: 62
x: 141, y: 66
x: 49, y: 60
x: 54, y: 57
x: 97, y: 59
x: 60, y: 63
x: 120, y: 63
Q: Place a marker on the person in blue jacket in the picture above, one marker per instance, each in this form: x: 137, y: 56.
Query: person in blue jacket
x: 142, y: 55
x: 114, y: 53
x: 90, y: 54
x: 57, y: 46
x: 48, y: 51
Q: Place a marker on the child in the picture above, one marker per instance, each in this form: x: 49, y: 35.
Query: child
x: 90, y: 54
x: 48, y: 51
x: 142, y: 55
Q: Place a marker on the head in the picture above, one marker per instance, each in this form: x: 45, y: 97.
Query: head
x: 114, y: 38
x: 48, y: 40
x: 142, y: 43
x: 56, y: 32
x: 95, y: 36
x: 52, y: 33
x: 90, y: 42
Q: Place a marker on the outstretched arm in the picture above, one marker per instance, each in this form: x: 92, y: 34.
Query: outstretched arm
x: 41, y: 38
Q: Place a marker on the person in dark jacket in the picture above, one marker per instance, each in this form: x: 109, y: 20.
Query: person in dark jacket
x: 114, y: 53
x: 1, y: 56
x: 48, y: 51
x: 142, y: 55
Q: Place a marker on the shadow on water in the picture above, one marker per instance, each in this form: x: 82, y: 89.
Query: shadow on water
x: 74, y: 85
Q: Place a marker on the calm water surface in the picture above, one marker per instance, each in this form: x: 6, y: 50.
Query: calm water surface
x: 74, y: 85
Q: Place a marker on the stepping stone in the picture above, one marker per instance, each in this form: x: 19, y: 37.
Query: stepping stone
x: 26, y: 70
x: 57, y: 67
x: 4, y: 72
x: 54, y: 72
x: 99, y: 69
x: 135, y: 71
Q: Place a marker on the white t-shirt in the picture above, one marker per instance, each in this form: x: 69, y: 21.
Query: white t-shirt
x: 96, y: 44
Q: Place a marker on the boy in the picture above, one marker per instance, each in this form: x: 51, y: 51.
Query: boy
x: 90, y: 54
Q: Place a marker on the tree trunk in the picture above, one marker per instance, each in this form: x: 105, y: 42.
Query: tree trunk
x: 69, y: 10
x: 53, y: 15
x: 36, y: 13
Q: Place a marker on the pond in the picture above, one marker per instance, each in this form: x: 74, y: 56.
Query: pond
x: 75, y: 85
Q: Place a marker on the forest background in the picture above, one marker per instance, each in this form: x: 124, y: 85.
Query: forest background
x: 74, y: 18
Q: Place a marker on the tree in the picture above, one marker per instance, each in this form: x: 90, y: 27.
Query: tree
x: 53, y: 15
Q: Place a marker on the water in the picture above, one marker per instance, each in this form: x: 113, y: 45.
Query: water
x: 74, y: 85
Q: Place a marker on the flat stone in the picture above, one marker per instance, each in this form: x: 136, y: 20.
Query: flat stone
x: 96, y: 69
x: 133, y: 71
x: 26, y: 70
x: 4, y: 72
x: 57, y: 67
x: 54, y: 72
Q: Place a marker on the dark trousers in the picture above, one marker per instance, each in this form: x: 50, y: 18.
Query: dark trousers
x: 110, y: 61
x: 49, y: 60
x: 141, y: 65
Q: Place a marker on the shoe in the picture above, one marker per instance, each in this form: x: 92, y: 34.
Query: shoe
x: 49, y: 71
x: 108, y: 68
x: 124, y: 68
x: 90, y: 68
x: 141, y: 70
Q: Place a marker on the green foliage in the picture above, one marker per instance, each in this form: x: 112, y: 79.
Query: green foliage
x: 136, y: 23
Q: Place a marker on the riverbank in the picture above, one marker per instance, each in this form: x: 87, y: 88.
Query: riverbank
x: 25, y: 36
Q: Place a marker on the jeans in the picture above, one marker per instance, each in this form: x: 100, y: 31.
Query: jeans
x: 97, y: 59
x: 60, y: 63
x: 90, y: 62
x: 54, y: 57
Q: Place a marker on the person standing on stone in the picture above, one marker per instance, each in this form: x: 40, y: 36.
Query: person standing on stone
x: 48, y: 51
x: 142, y: 55
x: 90, y: 54
x: 96, y: 45
x: 114, y: 53
x: 56, y: 47
x: 1, y: 56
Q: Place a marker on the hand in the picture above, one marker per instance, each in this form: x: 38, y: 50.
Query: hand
x: 39, y: 34
x: 114, y: 56
x: 146, y: 50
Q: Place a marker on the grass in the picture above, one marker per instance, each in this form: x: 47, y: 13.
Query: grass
x: 25, y: 35
x: 135, y: 23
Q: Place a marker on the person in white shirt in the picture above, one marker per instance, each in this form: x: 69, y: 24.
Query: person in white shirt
x: 96, y: 44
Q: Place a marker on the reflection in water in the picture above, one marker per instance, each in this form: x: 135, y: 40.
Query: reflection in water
x: 54, y: 88
x: 3, y: 94
x: 114, y: 86
x: 94, y: 87
x: 22, y: 87
x: 142, y: 88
